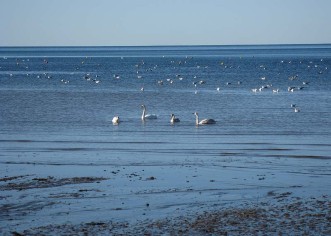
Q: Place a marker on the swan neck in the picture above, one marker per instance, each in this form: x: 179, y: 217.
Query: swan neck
x: 143, y: 115
x: 196, y: 119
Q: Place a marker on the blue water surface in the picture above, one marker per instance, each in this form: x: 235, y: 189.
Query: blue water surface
x: 59, y: 102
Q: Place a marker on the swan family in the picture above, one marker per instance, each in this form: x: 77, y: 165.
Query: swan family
x: 173, y: 118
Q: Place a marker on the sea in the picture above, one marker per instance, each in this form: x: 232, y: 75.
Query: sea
x: 57, y: 103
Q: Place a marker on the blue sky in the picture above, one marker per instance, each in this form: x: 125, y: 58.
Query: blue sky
x: 163, y: 22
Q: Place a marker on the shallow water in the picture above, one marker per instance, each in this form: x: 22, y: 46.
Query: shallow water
x: 55, y: 119
x: 42, y: 114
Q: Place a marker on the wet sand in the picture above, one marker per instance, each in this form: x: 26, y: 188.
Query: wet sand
x: 232, y: 197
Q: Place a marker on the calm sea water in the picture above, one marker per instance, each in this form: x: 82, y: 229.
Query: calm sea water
x: 56, y: 104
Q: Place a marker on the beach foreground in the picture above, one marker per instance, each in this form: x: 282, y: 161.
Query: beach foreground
x: 231, y: 197
x: 288, y: 217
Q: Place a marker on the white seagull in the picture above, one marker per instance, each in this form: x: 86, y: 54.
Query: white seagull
x: 204, y: 121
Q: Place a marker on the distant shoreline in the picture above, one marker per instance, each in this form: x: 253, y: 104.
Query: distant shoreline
x: 324, y: 50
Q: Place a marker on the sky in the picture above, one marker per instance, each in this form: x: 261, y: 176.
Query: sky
x: 163, y: 22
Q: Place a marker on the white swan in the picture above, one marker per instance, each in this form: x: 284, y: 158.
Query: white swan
x: 116, y: 120
x: 147, y: 116
x: 204, y: 121
x: 174, y: 119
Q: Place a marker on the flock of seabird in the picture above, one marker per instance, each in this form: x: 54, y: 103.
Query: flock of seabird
x: 173, y: 119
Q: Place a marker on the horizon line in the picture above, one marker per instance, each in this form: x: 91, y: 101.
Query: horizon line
x: 169, y: 45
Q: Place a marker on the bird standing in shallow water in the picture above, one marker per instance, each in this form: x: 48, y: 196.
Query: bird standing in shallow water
x: 204, y: 121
